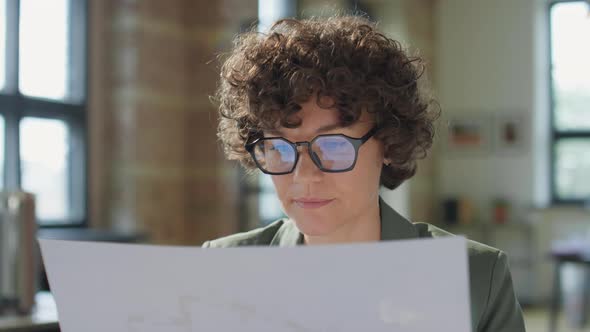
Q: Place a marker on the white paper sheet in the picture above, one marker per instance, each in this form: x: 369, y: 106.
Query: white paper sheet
x: 409, y: 285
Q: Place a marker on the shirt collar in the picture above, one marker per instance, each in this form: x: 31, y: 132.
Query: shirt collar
x: 393, y: 227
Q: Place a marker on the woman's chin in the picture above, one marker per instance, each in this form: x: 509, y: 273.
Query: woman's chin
x: 315, y: 222
x: 314, y: 227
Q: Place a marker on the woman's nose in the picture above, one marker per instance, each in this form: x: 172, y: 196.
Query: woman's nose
x: 306, y: 170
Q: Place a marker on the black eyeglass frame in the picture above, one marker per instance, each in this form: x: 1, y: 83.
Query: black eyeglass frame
x: 356, y: 143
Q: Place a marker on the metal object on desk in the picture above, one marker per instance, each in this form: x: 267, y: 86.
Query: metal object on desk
x: 18, y: 252
x: 42, y: 319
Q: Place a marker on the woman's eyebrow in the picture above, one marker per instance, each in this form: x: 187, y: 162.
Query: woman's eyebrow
x: 277, y: 132
x: 328, y: 127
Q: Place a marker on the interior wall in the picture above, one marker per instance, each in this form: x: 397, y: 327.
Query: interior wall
x: 487, y: 66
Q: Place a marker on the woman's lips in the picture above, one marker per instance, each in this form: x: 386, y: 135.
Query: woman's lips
x: 311, y: 203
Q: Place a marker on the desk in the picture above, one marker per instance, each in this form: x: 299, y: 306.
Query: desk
x: 561, y: 257
x: 42, y: 319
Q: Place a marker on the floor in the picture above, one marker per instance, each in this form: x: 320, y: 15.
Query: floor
x: 537, y: 320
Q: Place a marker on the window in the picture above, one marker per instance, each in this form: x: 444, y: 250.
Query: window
x: 44, y: 171
x: 43, y: 30
x: 2, y: 43
x: 43, y: 105
x: 259, y: 204
x: 269, y: 206
x: 570, y: 91
x: 1, y: 151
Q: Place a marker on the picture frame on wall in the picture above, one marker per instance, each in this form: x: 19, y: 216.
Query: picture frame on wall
x: 468, y: 135
x: 510, y: 133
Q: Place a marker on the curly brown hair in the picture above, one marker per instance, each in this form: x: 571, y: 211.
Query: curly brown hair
x: 267, y: 76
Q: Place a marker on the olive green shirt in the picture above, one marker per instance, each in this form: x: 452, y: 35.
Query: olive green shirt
x: 494, y: 307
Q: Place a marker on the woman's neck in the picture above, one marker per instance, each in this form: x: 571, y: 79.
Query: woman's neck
x: 365, y: 228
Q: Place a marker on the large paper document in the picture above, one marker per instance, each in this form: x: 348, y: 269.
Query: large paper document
x: 408, y: 285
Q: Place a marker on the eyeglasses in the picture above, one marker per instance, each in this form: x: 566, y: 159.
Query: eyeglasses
x: 332, y: 153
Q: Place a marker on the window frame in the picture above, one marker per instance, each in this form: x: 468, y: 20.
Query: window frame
x: 14, y: 106
x: 558, y: 135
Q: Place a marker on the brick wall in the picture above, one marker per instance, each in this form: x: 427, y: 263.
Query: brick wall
x: 155, y: 164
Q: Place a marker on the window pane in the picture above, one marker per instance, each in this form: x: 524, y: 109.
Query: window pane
x: 572, y: 168
x: 1, y: 152
x: 570, y: 28
x: 269, y: 206
x: 44, y: 48
x: 2, y: 44
x: 270, y: 11
x: 44, y: 155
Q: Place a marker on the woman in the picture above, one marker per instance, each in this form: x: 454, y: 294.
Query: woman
x: 331, y: 109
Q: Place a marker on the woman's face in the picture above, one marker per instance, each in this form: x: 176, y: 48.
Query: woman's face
x: 322, y: 203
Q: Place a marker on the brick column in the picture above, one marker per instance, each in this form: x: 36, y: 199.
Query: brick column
x: 163, y: 167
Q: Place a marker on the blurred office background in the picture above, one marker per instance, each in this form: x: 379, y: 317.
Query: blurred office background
x: 105, y: 116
